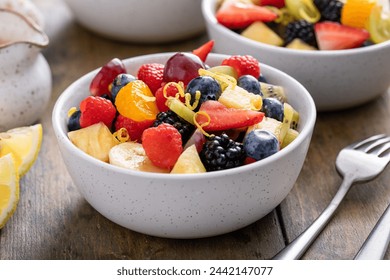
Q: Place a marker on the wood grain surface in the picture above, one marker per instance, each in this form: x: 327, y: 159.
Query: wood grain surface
x: 53, y: 221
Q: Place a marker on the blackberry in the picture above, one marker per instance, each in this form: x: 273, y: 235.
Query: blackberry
x: 329, y: 9
x: 170, y: 117
x: 221, y: 152
x: 300, y: 29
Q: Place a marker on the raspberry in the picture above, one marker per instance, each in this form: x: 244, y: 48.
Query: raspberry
x: 152, y: 75
x: 134, y: 128
x: 244, y: 65
x: 95, y: 109
x: 160, y: 98
x: 162, y: 145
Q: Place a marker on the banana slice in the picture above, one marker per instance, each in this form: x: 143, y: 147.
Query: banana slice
x: 131, y: 155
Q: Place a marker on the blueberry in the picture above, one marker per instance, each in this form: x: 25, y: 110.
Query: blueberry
x: 74, y: 121
x: 250, y: 83
x: 208, y: 87
x: 273, y: 108
x: 120, y: 81
x: 259, y: 144
x: 262, y: 79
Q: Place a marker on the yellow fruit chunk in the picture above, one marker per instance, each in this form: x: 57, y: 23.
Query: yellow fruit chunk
x: 9, y: 188
x: 355, y: 13
x: 24, y: 144
x: 259, y: 32
x: 239, y: 98
x: 379, y: 25
x: 189, y: 162
x: 136, y: 101
x: 95, y: 140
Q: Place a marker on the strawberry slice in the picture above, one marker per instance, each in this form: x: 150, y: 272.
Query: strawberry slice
x: 335, y: 36
x: 276, y: 3
x: 224, y: 118
x: 236, y: 15
x: 203, y: 51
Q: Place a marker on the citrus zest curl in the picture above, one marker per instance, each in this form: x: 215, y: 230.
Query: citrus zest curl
x: 122, y: 135
x: 200, y: 126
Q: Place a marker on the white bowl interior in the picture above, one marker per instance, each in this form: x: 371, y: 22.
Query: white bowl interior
x: 186, y: 205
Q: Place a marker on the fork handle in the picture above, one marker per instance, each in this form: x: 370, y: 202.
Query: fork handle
x: 375, y: 246
x: 298, y: 247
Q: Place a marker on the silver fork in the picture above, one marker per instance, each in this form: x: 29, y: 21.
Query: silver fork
x: 358, y: 162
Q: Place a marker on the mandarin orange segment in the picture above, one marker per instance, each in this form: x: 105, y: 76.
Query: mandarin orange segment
x: 136, y: 101
x: 355, y: 13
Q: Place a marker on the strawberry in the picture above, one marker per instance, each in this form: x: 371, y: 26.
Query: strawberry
x: 161, y: 99
x: 95, y: 109
x: 203, y: 51
x: 244, y: 65
x: 276, y: 3
x: 106, y: 75
x: 134, y: 128
x: 237, y: 15
x: 152, y: 75
x: 162, y: 145
x: 223, y: 118
x: 335, y: 36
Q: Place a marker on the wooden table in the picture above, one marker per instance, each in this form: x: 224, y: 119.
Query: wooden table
x: 53, y: 221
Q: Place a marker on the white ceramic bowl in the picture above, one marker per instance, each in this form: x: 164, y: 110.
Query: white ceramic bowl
x: 152, y: 21
x: 186, y: 205
x: 336, y: 79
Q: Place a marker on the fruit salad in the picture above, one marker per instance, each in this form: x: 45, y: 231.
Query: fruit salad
x: 183, y: 116
x: 308, y: 24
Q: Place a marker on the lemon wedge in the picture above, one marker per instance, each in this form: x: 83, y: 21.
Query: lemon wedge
x: 24, y: 144
x: 9, y: 188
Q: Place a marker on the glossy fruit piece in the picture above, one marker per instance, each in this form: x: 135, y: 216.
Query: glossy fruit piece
x: 9, y: 188
x: 24, y: 143
x: 274, y: 91
x: 181, y: 109
x: 182, y: 67
x: 274, y: 3
x: 161, y: 98
x: 260, y: 32
x: 244, y: 65
x: 303, y: 9
x: 250, y: 84
x: 131, y: 155
x: 236, y: 15
x: 355, y: 13
x: 189, y: 162
x: 239, y: 98
x: 95, y: 109
x: 74, y: 120
x: 221, y: 117
x: 334, y: 36
x: 224, y: 69
x: 208, y: 88
x: 95, y: 140
x: 136, y: 101
x: 134, y: 128
x: 101, y: 82
x: 162, y: 145
x: 198, y: 139
x: 273, y: 108
x: 203, y: 51
x: 379, y: 25
x: 260, y: 144
x: 152, y: 75
x: 119, y: 82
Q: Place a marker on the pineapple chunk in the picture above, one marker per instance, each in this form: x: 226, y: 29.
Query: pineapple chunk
x: 95, y: 140
x: 239, y: 98
x: 260, y: 32
x: 189, y: 162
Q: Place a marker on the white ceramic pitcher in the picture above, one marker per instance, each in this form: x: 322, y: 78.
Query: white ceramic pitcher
x: 25, y: 76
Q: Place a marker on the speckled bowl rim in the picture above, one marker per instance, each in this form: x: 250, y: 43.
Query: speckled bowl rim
x: 59, y: 124
x: 208, y: 10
